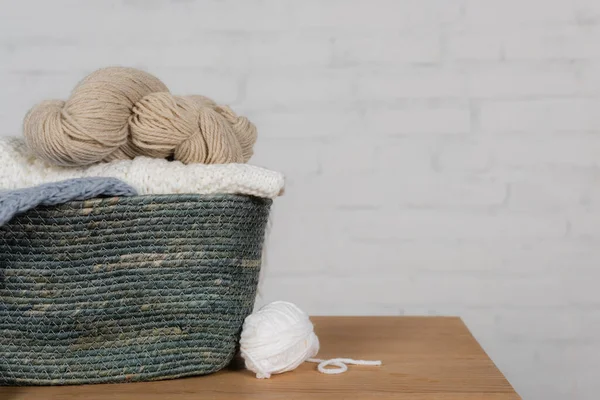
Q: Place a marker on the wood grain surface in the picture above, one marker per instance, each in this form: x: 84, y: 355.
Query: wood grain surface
x: 423, y: 358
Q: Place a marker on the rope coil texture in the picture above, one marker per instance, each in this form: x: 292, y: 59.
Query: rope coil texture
x: 127, y: 288
x: 119, y: 113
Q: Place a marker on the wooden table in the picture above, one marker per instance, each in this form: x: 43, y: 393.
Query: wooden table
x: 423, y: 358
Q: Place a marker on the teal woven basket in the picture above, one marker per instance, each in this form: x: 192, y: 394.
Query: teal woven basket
x: 127, y: 289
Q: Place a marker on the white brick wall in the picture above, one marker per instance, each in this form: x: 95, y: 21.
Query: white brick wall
x: 443, y: 156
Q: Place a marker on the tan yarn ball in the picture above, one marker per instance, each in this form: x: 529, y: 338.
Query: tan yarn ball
x: 120, y: 113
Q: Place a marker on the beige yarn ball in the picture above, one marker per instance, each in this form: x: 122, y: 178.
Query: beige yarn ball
x: 120, y: 113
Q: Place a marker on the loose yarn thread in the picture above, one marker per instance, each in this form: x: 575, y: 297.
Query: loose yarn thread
x: 279, y: 337
x: 118, y: 113
x: 340, y: 363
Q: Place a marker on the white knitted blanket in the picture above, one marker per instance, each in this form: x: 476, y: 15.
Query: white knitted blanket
x: 20, y: 169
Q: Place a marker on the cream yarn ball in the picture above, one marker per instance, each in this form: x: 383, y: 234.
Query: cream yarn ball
x: 277, y: 338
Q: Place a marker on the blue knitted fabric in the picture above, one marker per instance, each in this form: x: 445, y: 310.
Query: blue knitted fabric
x: 17, y: 201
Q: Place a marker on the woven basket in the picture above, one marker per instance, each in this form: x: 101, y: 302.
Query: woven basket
x: 127, y: 288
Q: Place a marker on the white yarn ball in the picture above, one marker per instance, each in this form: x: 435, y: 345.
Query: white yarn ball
x: 277, y: 338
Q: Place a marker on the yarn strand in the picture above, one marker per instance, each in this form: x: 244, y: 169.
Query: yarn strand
x: 340, y: 363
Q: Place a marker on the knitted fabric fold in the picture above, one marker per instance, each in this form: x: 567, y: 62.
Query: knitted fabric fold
x: 16, y: 201
x: 19, y: 168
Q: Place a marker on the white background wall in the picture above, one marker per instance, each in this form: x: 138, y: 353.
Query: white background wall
x: 442, y: 156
